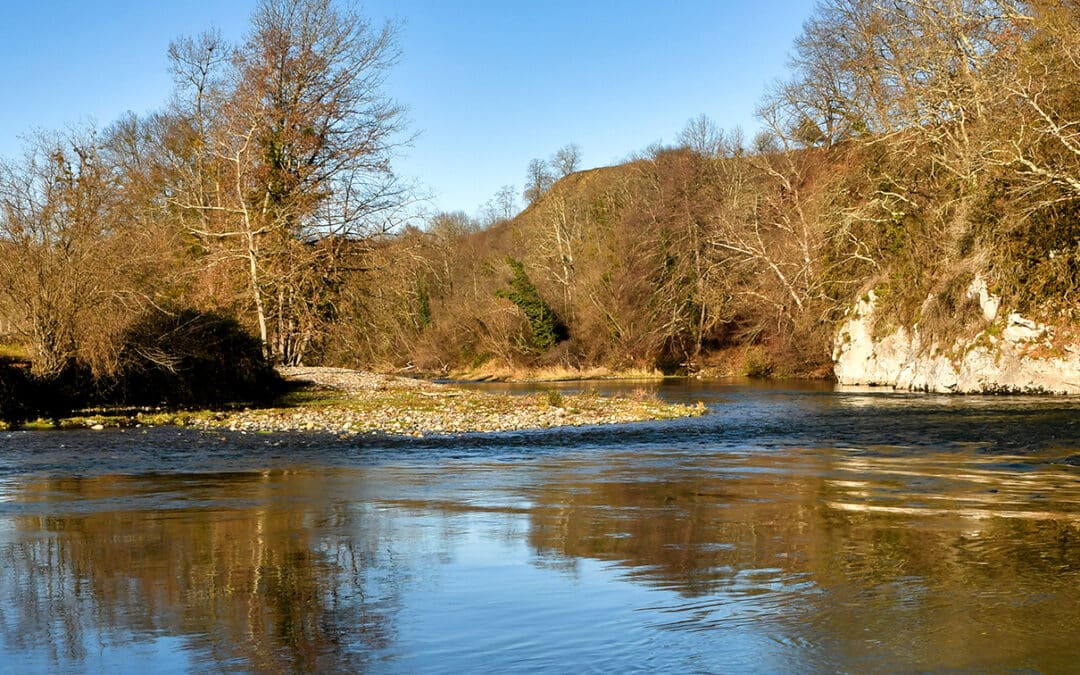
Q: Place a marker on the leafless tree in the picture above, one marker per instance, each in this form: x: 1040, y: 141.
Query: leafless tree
x: 702, y: 135
x: 502, y: 206
x: 538, y: 180
x: 566, y: 160
x: 302, y: 145
x: 75, y: 264
x: 1039, y: 80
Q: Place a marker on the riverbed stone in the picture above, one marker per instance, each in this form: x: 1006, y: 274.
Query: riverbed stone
x: 373, y: 403
x: 1024, y: 360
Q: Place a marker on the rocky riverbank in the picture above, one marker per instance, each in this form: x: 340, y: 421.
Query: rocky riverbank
x: 352, y: 402
x: 349, y: 402
x: 1012, y: 354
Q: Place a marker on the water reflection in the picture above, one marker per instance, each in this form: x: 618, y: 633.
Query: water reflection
x: 914, y: 584
x: 692, y: 553
x: 236, y: 564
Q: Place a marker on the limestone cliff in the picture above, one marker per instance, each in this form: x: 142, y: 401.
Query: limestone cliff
x: 1013, y: 355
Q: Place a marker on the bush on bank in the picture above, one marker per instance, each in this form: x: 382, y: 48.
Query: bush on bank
x: 183, y: 358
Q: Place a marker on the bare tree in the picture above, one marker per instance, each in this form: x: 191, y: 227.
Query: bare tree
x: 302, y: 148
x: 765, y: 142
x: 566, y: 160
x: 506, y: 201
x: 1040, y: 85
x: 502, y: 206
x: 702, y: 135
x: 74, y: 259
x: 198, y: 67
x: 736, y: 142
x: 538, y: 180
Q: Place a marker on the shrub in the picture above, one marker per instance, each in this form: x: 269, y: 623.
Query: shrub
x: 756, y: 363
x: 554, y: 398
x: 24, y: 395
x: 189, y: 357
x: 14, y: 391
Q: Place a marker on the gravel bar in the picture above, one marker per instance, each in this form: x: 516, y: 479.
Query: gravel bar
x: 358, y: 402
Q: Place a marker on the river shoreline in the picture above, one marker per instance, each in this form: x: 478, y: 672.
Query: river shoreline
x: 350, y: 402
x: 355, y: 402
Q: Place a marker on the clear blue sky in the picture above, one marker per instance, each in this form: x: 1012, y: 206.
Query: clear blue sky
x: 489, y: 84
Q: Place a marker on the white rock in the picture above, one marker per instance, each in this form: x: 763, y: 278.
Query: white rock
x: 988, y: 302
x: 982, y: 364
x: 1018, y: 330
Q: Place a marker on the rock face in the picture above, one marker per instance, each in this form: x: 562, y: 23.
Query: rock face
x: 1015, y: 355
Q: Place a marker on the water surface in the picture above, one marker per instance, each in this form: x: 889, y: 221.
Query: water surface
x: 790, y: 530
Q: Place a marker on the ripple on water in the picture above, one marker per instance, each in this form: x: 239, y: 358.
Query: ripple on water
x: 957, y: 484
x: 786, y: 531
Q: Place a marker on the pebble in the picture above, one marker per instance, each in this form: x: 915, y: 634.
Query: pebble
x: 374, y: 404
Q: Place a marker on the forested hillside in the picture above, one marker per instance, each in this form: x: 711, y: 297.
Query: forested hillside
x: 657, y: 263
x: 915, y: 145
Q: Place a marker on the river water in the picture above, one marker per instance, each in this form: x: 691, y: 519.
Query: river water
x: 792, y: 529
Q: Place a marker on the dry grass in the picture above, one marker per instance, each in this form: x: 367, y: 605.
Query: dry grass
x: 501, y: 373
x: 14, y: 351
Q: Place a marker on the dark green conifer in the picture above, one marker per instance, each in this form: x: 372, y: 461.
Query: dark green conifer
x: 548, y: 329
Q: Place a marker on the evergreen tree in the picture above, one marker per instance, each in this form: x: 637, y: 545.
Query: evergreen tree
x: 548, y: 329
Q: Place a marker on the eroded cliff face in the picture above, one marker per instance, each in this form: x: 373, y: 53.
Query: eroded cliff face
x: 1014, y: 355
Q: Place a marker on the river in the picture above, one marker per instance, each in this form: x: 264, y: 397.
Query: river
x: 792, y: 529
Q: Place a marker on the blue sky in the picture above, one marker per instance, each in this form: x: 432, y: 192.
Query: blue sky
x: 489, y: 85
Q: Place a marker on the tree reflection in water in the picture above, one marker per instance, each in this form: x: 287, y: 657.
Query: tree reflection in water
x: 263, y: 586
x: 795, y: 559
x: 922, y: 562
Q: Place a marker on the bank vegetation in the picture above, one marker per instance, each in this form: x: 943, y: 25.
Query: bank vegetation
x: 256, y: 219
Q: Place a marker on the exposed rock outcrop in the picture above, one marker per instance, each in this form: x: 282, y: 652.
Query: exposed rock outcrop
x: 1014, y: 355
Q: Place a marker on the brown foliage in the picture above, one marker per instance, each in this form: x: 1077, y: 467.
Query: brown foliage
x: 265, y: 193
x: 652, y: 264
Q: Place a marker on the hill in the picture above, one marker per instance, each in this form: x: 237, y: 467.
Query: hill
x: 746, y: 265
